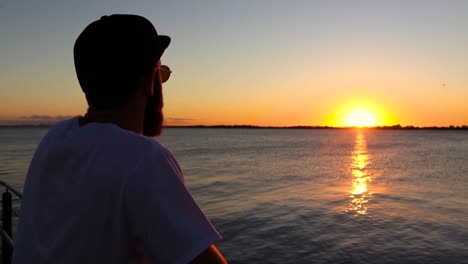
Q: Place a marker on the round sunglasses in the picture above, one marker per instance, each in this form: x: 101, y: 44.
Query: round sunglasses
x: 164, y: 73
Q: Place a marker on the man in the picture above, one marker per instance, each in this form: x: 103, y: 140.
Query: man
x: 98, y: 189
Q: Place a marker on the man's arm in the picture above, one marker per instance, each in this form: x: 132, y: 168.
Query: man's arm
x: 210, y: 256
x: 163, y: 215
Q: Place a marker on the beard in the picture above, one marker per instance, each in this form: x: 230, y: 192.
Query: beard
x: 154, y: 118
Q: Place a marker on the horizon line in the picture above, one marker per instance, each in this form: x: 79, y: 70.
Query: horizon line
x: 392, y: 127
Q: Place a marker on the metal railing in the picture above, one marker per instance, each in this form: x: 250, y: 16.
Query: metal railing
x: 6, y: 228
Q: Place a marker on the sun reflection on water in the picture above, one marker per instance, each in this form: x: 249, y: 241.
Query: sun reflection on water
x: 360, y: 194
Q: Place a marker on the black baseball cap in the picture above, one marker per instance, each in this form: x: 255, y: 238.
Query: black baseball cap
x: 117, y: 44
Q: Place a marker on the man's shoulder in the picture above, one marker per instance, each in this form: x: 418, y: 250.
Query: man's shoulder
x: 155, y: 156
x: 152, y: 146
x: 105, y: 135
x: 62, y: 127
x: 136, y: 144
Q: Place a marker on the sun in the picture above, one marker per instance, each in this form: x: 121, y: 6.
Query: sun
x: 361, y: 118
x: 360, y: 113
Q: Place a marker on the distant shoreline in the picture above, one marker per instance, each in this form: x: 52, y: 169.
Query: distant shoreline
x: 325, y: 127
x: 396, y: 127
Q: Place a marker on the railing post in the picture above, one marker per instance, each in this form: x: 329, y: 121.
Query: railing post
x: 7, y: 226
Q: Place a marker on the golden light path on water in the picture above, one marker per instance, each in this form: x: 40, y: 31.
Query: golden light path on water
x: 360, y: 193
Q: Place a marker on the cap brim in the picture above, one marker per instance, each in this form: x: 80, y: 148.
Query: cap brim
x: 163, y: 42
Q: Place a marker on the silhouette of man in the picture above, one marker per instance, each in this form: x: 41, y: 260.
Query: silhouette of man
x: 97, y: 189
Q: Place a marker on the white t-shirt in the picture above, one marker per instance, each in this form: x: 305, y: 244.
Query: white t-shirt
x: 98, y: 193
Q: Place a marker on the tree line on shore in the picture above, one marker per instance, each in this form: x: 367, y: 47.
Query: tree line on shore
x: 394, y: 127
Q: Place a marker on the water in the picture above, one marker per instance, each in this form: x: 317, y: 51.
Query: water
x: 316, y: 196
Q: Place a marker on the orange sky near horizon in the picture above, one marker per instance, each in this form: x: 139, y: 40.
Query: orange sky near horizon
x: 271, y: 64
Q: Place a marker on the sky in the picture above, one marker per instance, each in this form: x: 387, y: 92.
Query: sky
x: 267, y: 63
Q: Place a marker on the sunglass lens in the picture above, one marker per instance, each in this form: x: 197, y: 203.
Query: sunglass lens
x: 164, y: 72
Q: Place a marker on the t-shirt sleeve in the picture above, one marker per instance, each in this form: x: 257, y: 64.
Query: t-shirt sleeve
x: 162, y: 214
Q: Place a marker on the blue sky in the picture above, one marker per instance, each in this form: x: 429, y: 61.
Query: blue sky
x: 256, y: 62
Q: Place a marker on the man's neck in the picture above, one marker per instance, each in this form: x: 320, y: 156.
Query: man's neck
x: 123, y: 118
